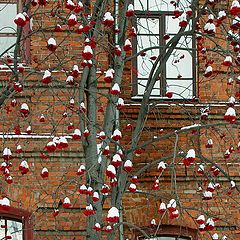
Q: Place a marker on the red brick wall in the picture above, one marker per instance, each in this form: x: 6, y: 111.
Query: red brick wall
x: 41, y: 196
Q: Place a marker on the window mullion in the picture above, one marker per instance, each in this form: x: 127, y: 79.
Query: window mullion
x: 6, y: 227
x: 163, y: 82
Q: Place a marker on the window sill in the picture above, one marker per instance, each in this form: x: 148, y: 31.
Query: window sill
x: 140, y: 97
x: 178, y: 102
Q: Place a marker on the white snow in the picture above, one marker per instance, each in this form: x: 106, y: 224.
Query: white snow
x: 44, y: 170
x: 87, y: 49
x: 191, y: 153
x: 52, y: 41
x: 108, y: 16
x: 130, y: 7
x: 128, y: 163
x: 111, y: 169
x: 66, y: 200
x: 24, y: 164
x: 7, y: 152
x: 77, y: 132
x: 162, y: 165
x: 73, y: 17
x: 191, y: 126
x: 113, y: 212
x: 20, y: 15
x: 24, y: 106
x: 116, y: 87
x: 201, y: 217
x: 230, y: 112
x: 117, y: 132
x: 172, y: 203
x: 128, y: 43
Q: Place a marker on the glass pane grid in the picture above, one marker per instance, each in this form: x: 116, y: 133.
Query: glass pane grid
x: 176, y: 77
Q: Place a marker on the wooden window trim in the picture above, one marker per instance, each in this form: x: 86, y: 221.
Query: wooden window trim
x: 168, y: 230
x: 23, y: 216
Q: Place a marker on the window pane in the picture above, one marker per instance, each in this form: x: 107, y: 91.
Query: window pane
x: 148, y: 41
x: 148, y: 25
x: 144, y: 63
x: 144, y: 67
x: 6, y: 42
x: 8, y: 12
x: 180, y: 88
x: 176, y: 65
x: 142, y: 84
x: 184, y: 42
x: 140, y: 5
x: 2, y: 233
x: 160, y: 5
x: 172, y: 25
x: 184, y: 3
x: 15, y: 229
x: 179, y: 59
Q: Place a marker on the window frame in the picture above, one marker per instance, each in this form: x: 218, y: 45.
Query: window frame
x: 8, y: 34
x: 167, y: 231
x: 20, y: 215
x: 161, y: 15
x: 25, y: 53
x: 171, y: 236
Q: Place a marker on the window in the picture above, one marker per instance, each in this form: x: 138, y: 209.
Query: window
x: 167, y: 232
x: 8, y: 11
x: 8, y: 31
x: 16, y: 223
x: 154, y: 20
x: 169, y: 238
x: 11, y: 228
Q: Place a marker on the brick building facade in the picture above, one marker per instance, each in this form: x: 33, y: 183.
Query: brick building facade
x: 54, y: 111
